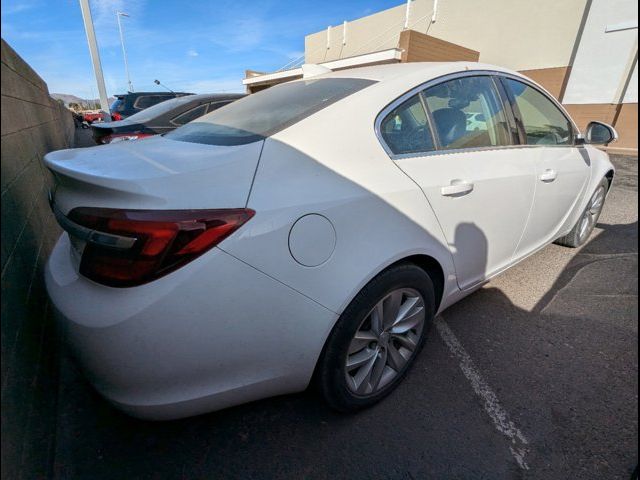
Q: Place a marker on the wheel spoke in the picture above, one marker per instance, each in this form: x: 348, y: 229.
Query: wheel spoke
x: 378, y: 369
x: 596, y: 206
x: 377, y: 318
x: 360, y: 358
x: 362, y: 378
x: 395, y: 359
x: 392, y: 307
x: 357, y: 345
x: 406, y: 340
x: 361, y: 340
x: 583, y: 226
x: 596, y: 201
x: 406, y: 307
x: 410, y: 320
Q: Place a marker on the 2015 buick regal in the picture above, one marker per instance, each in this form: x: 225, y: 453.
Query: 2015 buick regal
x: 309, y: 231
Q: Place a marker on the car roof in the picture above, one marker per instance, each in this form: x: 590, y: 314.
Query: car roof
x: 412, y: 70
x: 137, y: 94
x: 398, y: 78
x: 191, y: 96
x: 215, y: 96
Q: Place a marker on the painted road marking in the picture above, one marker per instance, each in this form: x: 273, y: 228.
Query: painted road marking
x: 490, y: 400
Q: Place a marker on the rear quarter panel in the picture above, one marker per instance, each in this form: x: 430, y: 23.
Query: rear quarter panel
x: 332, y: 164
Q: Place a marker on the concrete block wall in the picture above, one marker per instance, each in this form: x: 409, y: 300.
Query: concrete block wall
x: 32, y: 124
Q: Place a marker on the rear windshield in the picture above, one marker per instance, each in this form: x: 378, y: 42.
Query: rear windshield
x: 159, y: 109
x: 117, y: 105
x: 262, y: 114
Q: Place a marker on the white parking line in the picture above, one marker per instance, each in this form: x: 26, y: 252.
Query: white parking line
x: 490, y: 400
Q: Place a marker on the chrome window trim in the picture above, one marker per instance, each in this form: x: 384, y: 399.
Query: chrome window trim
x: 225, y: 102
x: 435, y: 138
x: 452, y: 76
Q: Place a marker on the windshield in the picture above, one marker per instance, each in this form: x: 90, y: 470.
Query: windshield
x: 264, y: 113
x: 158, y: 109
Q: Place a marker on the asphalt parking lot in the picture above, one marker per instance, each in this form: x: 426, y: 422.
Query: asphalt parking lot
x: 534, y: 376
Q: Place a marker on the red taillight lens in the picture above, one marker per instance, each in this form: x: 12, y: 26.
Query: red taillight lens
x: 116, y: 116
x: 166, y: 240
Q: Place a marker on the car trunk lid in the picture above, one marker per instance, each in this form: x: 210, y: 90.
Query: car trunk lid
x: 154, y: 173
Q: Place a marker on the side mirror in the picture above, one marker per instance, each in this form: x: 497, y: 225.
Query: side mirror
x: 599, y: 133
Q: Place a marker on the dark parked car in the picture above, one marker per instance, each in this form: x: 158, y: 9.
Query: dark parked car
x: 130, y: 103
x: 161, y: 118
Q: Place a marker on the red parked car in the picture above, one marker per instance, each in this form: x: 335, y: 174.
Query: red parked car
x: 91, y: 117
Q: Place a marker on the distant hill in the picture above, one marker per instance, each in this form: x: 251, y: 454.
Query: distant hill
x: 86, y: 103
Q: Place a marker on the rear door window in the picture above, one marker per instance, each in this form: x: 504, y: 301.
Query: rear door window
x: 262, y: 114
x: 468, y: 113
x: 406, y: 129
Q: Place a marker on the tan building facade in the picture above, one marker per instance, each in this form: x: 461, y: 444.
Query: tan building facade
x: 582, y: 51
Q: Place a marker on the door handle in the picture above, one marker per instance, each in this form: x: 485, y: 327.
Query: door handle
x: 548, y: 175
x: 457, y: 188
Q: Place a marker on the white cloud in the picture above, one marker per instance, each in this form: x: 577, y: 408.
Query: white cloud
x: 105, y: 20
x: 192, y: 53
x: 16, y: 7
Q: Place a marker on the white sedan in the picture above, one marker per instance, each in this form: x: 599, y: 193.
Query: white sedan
x: 309, y: 233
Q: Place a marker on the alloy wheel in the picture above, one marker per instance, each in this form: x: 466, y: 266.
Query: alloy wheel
x: 385, y: 341
x: 591, y: 214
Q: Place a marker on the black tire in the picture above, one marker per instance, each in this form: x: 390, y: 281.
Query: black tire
x: 330, y: 376
x: 573, y: 239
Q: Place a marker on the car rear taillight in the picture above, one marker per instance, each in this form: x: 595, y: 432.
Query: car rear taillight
x: 119, y: 137
x: 116, y: 116
x: 132, y: 247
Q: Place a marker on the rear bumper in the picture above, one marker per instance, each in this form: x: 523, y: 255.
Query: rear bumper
x: 213, y: 334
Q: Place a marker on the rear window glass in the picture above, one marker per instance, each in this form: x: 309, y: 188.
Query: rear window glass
x: 147, y: 101
x: 117, y: 105
x: 160, y: 109
x: 262, y: 114
x: 190, y: 115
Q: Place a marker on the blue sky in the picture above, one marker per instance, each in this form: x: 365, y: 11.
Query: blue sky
x: 195, y: 45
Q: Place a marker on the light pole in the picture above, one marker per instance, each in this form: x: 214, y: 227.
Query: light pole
x: 95, y: 56
x: 124, y: 52
x: 157, y: 82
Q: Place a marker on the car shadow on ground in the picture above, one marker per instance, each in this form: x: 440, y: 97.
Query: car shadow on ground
x: 567, y: 369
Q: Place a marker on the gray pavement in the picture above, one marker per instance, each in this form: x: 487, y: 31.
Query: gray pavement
x: 535, y: 376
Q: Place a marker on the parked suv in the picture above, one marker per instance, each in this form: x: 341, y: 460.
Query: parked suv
x: 127, y: 104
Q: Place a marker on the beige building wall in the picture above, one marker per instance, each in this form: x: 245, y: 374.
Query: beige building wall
x: 603, y: 84
x: 581, y: 51
x: 379, y: 31
x: 605, y: 58
x: 516, y: 34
